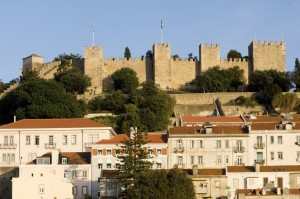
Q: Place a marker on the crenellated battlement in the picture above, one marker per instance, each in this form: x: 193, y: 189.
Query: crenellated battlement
x: 235, y: 60
x: 270, y: 43
x: 122, y: 59
x: 210, y: 45
x: 185, y: 60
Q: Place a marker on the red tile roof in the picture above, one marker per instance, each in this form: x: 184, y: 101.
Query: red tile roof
x: 240, y: 169
x: 72, y: 157
x: 53, y: 123
x: 211, y: 172
x: 215, y: 130
x: 214, y: 120
x: 152, y: 138
x: 277, y: 168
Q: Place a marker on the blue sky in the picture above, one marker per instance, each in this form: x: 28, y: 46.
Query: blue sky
x: 50, y: 28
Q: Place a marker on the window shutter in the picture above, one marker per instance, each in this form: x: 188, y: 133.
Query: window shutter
x: 95, y: 152
x: 164, y: 151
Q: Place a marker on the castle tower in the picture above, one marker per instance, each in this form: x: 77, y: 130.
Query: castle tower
x: 93, y: 61
x: 266, y: 56
x: 162, y: 65
x: 31, y: 63
x: 209, y: 56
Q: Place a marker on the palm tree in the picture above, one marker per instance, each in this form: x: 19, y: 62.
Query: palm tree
x: 286, y: 102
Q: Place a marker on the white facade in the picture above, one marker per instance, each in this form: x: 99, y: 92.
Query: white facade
x: 23, y: 141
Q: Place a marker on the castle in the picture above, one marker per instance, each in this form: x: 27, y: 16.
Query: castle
x: 166, y: 71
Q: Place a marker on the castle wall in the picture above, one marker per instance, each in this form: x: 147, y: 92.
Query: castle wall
x: 182, y: 72
x: 266, y: 56
x: 241, y: 63
x: 138, y: 65
x: 209, y: 56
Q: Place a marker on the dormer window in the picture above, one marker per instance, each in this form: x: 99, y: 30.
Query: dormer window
x: 43, y: 160
x: 64, y: 160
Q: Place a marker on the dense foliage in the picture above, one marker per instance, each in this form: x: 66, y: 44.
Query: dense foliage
x: 133, y: 160
x: 234, y: 54
x: 216, y: 79
x: 147, y: 108
x: 286, y: 102
x: 70, y: 76
x: 171, y: 184
x: 296, y: 75
x: 270, y: 83
x: 39, y: 98
x: 125, y: 79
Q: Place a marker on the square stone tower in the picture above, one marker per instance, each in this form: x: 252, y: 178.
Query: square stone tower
x: 31, y: 63
x: 209, y: 56
x: 162, y: 65
x: 93, y: 61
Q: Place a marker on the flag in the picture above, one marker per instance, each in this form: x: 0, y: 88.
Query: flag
x: 161, y: 24
x: 93, y: 27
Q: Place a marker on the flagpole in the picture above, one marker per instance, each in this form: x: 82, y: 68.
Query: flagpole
x: 93, y: 33
x: 161, y: 32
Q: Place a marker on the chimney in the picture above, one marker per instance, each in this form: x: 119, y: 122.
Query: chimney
x: 15, y: 118
x: 55, y: 156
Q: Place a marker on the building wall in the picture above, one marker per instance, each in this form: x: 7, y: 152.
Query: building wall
x: 210, y: 186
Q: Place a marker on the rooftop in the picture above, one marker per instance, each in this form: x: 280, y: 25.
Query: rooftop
x: 277, y: 168
x: 53, y: 123
x: 215, y: 130
x: 151, y: 138
x: 213, y: 120
x: 72, y: 157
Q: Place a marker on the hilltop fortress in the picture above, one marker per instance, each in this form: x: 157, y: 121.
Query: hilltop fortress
x: 167, y: 72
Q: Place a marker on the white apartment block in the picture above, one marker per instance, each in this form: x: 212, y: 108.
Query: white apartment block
x: 105, y: 152
x: 24, y: 140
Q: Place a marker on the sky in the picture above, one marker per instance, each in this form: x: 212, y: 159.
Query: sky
x: 50, y: 28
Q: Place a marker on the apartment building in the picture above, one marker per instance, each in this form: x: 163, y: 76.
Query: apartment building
x: 24, y: 140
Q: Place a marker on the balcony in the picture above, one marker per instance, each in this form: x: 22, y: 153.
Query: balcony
x: 88, y: 144
x: 178, y: 149
x: 259, y: 161
x: 259, y: 145
x: 50, y: 145
x: 8, y: 146
x: 239, y: 149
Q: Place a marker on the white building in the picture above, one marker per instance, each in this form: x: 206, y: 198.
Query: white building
x: 60, y: 175
x: 24, y: 140
x: 104, y: 157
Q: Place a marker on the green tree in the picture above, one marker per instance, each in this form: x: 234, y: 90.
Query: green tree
x: 296, y: 74
x: 95, y: 104
x: 125, y: 79
x: 3, y: 86
x: 73, y: 80
x: 133, y: 161
x: 149, y: 55
x: 114, y: 101
x: 234, y: 54
x: 39, y: 98
x: 162, y: 184
x: 127, y: 53
x: 286, y: 102
x: 131, y: 117
x: 67, y: 60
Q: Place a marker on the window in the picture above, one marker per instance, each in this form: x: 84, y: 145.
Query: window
x: 179, y: 160
x: 192, y: 144
x: 200, y: 144
x: 73, y: 139
x: 239, y: 144
x: 110, y: 185
x: 41, y: 189
x: 200, y: 160
x: 3, y: 157
x: 90, y: 138
x: 8, y: 158
x: 272, y: 139
x: 239, y: 160
x: 74, y: 174
x: 84, y: 190
x: 298, y: 139
x: 65, y: 139
x: 158, y: 151
x: 279, y: 139
x: 100, y: 166
x: 108, y: 151
x: 158, y: 165
x: 117, y: 151
x: 259, y: 141
x: 96, y: 138
x: 65, y: 173
x: 219, y: 144
x: 227, y: 159
x: 108, y: 165
x: 251, y: 181
x: 50, y: 139
x: 11, y: 140
x: 64, y: 160
x: 84, y: 173
x: 150, y: 151
x: 45, y: 160
x: 5, y: 140
x: 37, y: 140
x: 272, y: 155
x: 298, y: 156
x: 192, y: 159
x: 219, y: 159
x: 99, y: 151
x: 227, y: 143
x: 280, y: 155
x: 27, y: 139
x: 75, y: 190
x: 12, y: 157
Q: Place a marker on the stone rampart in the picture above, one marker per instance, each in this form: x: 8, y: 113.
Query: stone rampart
x: 241, y: 63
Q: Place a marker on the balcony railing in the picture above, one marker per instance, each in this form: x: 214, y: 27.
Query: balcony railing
x: 259, y: 161
x: 178, y: 149
x: 259, y: 145
x: 8, y: 146
x: 239, y: 149
x: 88, y: 144
x: 50, y: 145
